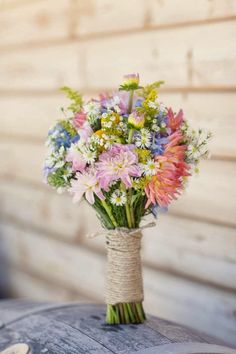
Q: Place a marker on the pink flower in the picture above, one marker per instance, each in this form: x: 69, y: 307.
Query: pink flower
x: 167, y: 184
x: 75, y: 156
x: 85, y: 132
x: 174, y: 122
x: 86, y: 184
x: 118, y: 163
x: 79, y: 119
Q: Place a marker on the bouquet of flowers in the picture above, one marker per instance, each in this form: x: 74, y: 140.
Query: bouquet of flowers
x: 128, y: 156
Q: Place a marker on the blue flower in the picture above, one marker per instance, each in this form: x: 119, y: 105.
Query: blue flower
x: 158, y: 145
x: 75, y: 139
x: 139, y: 102
x: 156, y: 209
x: 61, y: 137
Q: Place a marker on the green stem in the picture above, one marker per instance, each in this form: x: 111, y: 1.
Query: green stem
x: 127, y: 207
x: 130, y: 136
x: 108, y: 210
x: 130, y: 104
x: 125, y: 313
x: 131, y: 209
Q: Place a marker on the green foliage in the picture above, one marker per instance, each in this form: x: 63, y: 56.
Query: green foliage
x: 75, y: 97
x: 129, y: 87
x: 102, y: 214
x: 146, y: 90
x: 139, y: 207
x: 56, y: 179
x: 68, y: 127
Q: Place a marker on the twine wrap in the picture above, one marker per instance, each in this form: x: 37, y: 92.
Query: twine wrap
x: 124, y: 270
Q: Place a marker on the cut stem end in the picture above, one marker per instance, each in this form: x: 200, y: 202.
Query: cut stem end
x: 125, y: 313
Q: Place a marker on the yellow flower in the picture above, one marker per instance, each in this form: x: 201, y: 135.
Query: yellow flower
x: 143, y: 155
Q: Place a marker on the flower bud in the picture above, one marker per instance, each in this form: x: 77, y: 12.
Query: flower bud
x: 131, y: 79
x: 136, y: 121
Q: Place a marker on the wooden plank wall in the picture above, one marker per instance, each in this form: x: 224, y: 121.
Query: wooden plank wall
x: 190, y: 257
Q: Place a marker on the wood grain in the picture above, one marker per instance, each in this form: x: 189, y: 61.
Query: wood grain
x: 35, y: 22
x: 179, y: 60
x: 42, y: 68
x: 165, y: 294
x: 80, y: 328
x: 36, y: 114
x: 187, y: 247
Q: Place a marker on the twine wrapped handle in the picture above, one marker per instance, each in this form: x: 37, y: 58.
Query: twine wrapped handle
x: 124, y: 272
x: 124, y: 269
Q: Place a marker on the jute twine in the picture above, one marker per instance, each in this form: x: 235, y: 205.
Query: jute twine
x: 124, y: 270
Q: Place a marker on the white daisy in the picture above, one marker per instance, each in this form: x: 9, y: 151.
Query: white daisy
x: 89, y: 156
x: 118, y: 198
x: 143, y: 139
x: 150, y: 167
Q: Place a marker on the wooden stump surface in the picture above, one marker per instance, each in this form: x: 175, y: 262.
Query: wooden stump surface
x: 80, y: 328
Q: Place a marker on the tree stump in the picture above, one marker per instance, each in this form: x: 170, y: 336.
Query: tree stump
x: 38, y: 328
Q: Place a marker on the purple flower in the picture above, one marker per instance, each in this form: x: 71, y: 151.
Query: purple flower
x: 118, y: 163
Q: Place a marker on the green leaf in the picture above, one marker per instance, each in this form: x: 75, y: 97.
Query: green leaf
x: 129, y: 87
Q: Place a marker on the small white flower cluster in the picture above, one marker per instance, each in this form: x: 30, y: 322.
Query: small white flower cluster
x: 56, y: 159
x: 143, y: 138
x: 104, y: 141
x: 118, y: 198
x: 197, y: 145
x: 113, y: 104
x: 153, y: 104
x: 84, y: 151
x: 92, y: 108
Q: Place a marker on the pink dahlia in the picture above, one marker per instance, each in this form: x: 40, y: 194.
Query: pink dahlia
x: 77, y: 159
x: 118, y: 163
x: 86, y: 184
x: 167, y: 184
x: 174, y: 122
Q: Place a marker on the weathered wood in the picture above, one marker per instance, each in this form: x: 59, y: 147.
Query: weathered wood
x: 35, y: 22
x: 36, y: 114
x: 194, y: 63
x: 20, y: 282
x: 168, y: 12
x: 74, y: 328
x: 166, y: 295
x: 104, y: 16
x: 41, y: 68
x: 193, y: 248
